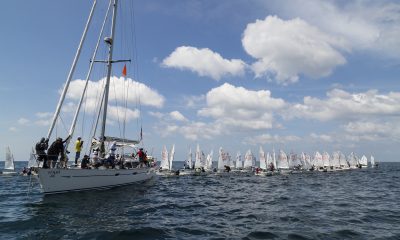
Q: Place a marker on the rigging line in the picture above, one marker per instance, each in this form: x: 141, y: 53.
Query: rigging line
x: 116, y: 104
x: 84, y: 93
x: 136, y: 66
x: 72, y: 70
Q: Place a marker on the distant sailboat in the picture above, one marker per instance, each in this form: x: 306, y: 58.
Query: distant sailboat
x: 9, y: 167
x: 248, y: 160
x: 364, y: 161
x: 373, y: 163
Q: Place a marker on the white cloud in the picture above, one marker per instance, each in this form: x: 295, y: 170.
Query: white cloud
x: 13, y: 129
x: 372, y: 130
x: 267, y: 138
x: 43, y: 122
x: 23, y: 121
x: 158, y: 115
x: 365, y: 25
x: 240, y: 108
x: 175, y: 115
x: 123, y: 91
x: 321, y: 137
x: 340, y: 104
x: 44, y: 114
x: 204, y: 62
x: 290, y: 48
x: 194, y: 101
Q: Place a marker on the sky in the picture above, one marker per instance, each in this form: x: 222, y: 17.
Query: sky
x: 239, y: 74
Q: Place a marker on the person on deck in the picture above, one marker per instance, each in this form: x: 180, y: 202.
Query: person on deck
x: 78, y: 148
x: 85, y: 162
x: 141, y: 155
x: 55, y: 149
x: 41, y: 148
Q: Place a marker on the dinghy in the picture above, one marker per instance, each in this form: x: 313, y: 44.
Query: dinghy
x: 9, y: 167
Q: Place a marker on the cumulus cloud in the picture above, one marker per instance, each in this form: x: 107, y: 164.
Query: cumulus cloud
x: 121, y: 91
x: 267, y: 138
x: 340, y: 104
x: 290, y: 48
x: 204, y: 62
x: 23, y: 121
x: 364, y: 25
x: 372, y: 130
x: 321, y: 137
x: 193, y: 130
x: 175, y: 115
x: 241, y: 108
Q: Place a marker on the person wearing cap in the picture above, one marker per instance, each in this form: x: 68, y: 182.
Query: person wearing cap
x: 78, y: 148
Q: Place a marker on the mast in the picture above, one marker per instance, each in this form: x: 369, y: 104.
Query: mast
x: 72, y: 129
x: 71, y: 71
x: 110, y: 41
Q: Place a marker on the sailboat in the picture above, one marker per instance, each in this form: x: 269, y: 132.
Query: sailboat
x: 373, y: 163
x: 189, y: 165
x: 9, y: 167
x: 60, y: 180
x: 364, y: 161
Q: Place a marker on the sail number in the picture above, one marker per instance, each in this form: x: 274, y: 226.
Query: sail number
x: 53, y: 173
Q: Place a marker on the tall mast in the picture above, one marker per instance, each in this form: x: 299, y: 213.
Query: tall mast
x: 71, y: 130
x: 110, y: 41
x: 71, y: 71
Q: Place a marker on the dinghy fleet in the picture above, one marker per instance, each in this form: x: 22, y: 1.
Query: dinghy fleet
x: 266, y: 164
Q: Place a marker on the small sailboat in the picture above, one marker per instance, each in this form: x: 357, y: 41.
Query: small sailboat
x: 249, y: 161
x: 363, y: 161
x: 166, y: 162
x: 373, y: 162
x: 188, y: 168
x: 9, y: 167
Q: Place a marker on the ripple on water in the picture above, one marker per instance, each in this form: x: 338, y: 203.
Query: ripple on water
x: 299, y: 206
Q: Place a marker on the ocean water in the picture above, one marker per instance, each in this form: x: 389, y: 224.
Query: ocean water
x: 356, y: 204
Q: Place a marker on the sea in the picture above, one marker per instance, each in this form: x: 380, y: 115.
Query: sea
x: 353, y: 204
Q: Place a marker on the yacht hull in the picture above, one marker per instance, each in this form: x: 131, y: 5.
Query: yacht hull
x: 53, y: 181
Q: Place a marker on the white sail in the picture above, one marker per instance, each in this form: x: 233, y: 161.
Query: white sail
x: 318, y: 162
x: 248, y: 159
x: 282, y: 160
x: 189, y: 161
x: 274, y: 158
x: 326, y: 159
x: 269, y: 161
x: 221, y: 158
x: 239, y: 163
x: 171, y: 157
x: 9, y: 162
x: 263, y: 160
x: 364, y: 161
x: 335, y: 160
x: 352, y: 159
x: 209, y: 160
x: 372, y: 161
x: 32, y: 160
x: 343, y: 162
x: 197, y: 158
x: 164, y: 159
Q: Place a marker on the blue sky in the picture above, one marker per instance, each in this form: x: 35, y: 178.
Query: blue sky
x: 297, y: 75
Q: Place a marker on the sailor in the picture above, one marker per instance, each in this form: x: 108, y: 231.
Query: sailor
x: 55, y: 149
x: 141, y: 156
x: 78, y: 148
x: 85, y: 162
x: 41, y: 148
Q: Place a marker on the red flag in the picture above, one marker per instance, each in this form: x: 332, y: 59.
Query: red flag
x: 124, y: 71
